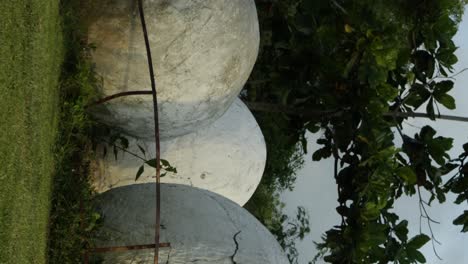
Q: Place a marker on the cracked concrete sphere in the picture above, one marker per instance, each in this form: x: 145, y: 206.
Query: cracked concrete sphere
x: 227, y: 157
x: 203, y: 52
x: 202, y: 227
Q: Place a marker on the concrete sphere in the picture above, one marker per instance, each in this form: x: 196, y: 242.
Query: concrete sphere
x: 227, y: 157
x: 203, y: 53
x: 202, y: 227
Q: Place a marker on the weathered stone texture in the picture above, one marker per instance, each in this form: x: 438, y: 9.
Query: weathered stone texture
x: 203, y: 53
x: 201, y: 226
x: 227, y: 157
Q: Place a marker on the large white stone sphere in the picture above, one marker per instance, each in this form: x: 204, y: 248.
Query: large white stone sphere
x: 203, y: 53
x: 227, y: 157
x: 201, y: 227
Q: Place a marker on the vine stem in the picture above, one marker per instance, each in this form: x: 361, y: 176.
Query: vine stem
x: 126, y: 150
x: 422, y: 209
x: 156, y: 132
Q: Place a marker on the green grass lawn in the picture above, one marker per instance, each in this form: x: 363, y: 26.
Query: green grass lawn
x: 30, y: 60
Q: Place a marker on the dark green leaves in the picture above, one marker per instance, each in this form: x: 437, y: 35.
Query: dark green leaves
x: 151, y: 163
x: 322, y: 153
x: 441, y: 96
x: 430, y: 109
x: 447, y: 101
x: 140, y: 172
x: 462, y: 220
x: 418, y: 241
x: 165, y: 165
x: 437, y: 147
x: 418, y: 95
x: 365, y: 59
x: 443, y: 87
x: 407, y: 174
x: 142, y: 150
x: 124, y: 142
x: 465, y: 147
x: 412, y: 248
x: 416, y: 255
x: 424, y: 65
x: 401, y: 230
x: 312, y: 127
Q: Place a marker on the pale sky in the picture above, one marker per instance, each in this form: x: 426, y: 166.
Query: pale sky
x: 316, y: 189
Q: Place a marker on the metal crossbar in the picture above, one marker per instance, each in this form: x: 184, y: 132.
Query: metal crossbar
x: 128, y: 248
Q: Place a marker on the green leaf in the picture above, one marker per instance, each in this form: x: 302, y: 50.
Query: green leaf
x: 415, y: 255
x: 462, y: 220
x: 465, y: 147
x: 424, y: 62
x: 418, y: 95
x: 322, y: 153
x: 401, y: 230
x: 372, y: 210
x: 407, y: 174
x: 165, y: 163
x: 151, y: 162
x: 443, y: 87
x: 438, y: 148
x: 140, y: 171
x: 440, y: 195
x: 427, y: 133
x: 446, y: 100
x: 418, y: 241
x: 387, y: 92
x: 124, y: 142
x: 171, y: 169
x: 461, y: 198
x: 312, y: 127
x: 447, y: 168
x: 142, y: 150
x: 430, y: 109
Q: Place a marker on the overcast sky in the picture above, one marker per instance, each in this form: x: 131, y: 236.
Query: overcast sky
x: 316, y: 189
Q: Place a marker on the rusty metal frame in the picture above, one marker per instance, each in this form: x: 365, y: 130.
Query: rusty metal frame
x: 153, y: 92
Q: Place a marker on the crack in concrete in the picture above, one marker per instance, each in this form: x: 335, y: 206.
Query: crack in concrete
x: 237, y: 247
x: 169, y: 255
x: 224, y: 209
x: 206, y: 260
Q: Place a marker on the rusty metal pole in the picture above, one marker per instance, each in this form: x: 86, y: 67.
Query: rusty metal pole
x: 118, y: 95
x: 156, y: 133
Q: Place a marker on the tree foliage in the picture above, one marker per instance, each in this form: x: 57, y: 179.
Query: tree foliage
x: 284, y: 158
x: 355, y: 62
